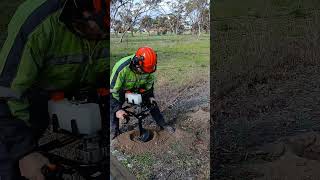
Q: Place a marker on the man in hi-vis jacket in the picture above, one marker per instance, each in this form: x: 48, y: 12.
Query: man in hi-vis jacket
x: 134, y: 73
x: 52, y: 45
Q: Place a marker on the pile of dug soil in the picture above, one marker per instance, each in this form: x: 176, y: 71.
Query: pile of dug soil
x: 294, y: 158
x: 160, y: 141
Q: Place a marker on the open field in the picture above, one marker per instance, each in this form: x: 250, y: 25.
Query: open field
x: 183, y: 61
x: 181, y: 58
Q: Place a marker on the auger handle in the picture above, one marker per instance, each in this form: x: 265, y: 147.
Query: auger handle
x: 52, y: 172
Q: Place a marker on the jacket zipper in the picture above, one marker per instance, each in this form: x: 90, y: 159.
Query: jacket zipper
x: 90, y: 61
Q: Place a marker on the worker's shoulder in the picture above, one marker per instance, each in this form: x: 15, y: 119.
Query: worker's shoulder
x: 125, y: 60
x: 123, y: 63
x: 42, y: 6
x: 31, y: 13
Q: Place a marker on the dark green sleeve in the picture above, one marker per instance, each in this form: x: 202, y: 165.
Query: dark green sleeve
x: 150, y: 84
x: 26, y: 75
x: 20, y: 138
x: 116, y: 88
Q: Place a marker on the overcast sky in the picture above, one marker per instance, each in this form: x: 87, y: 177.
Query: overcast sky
x: 165, y: 7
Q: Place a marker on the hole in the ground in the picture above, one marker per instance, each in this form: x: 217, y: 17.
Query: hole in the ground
x: 148, y: 136
x: 307, y: 148
x: 312, y: 153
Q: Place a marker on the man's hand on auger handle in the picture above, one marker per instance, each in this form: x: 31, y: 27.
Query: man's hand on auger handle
x: 120, y: 114
x: 31, y: 164
x: 52, y: 172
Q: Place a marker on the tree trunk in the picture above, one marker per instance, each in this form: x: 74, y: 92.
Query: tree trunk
x: 124, y: 33
x: 199, y: 29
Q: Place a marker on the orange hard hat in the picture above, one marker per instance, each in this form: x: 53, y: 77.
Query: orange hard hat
x: 146, y: 58
x: 57, y: 96
x: 103, y: 91
x: 99, y: 8
x: 102, y: 8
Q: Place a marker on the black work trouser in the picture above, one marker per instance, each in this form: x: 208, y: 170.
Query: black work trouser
x: 115, y: 126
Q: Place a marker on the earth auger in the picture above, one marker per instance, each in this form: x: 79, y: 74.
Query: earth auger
x: 140, y: 112
x: 93, y: 150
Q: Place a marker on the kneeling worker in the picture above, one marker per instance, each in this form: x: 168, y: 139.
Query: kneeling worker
x: 134, y: 73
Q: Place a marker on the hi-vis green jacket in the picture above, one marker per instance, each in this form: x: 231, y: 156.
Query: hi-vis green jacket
x: 123, y: 78
x: 41, y: 52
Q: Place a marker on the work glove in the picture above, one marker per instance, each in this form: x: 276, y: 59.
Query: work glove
x: 30, y: 166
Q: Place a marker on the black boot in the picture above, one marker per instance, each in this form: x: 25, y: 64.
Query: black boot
x: 114, y: 133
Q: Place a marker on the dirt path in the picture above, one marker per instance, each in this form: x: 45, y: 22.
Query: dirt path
x: 258, y: 118
x: 185, y: 154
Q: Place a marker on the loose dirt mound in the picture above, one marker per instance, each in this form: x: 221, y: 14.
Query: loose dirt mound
x: 182, y: 155
x: 258, y: 113
x: 296, y: 157
x: 197, y: 122
x: 159, y: 143
x: 128, y: 144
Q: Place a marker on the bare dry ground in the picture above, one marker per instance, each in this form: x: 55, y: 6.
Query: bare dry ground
x: 185, y: 154
x: 266, y: 98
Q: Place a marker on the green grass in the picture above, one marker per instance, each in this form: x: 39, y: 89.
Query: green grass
x: 143, y: 164
x: 181, y: 59
x: 183, y: 159
x: 140, y: 165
